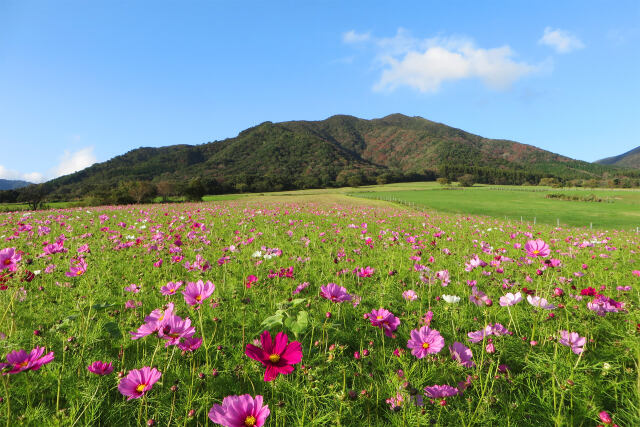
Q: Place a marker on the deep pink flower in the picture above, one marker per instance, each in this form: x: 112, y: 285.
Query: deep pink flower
x: 100, y: 368
x: 537, y: 248
x: 170, y: 288
x: 196, y: 293
x: 462, y: 354
x: 240, y: 411
x: 573, y: 340
x: 334, y: 293
x: 138, y: 382
x: 605, y: 417
x: 78, y: 266
x: 251, y: 279
x: 9, y: 258
x: 277, y: 356
x: 190, y: 344
x: 425, y: 341
x: 153, y: 322
x: 384, y: 319
x: 364, y: 271
x: 174, y: 329
x: 20, y: 360
x: 440, y: 391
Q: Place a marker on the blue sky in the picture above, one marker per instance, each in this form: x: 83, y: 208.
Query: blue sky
x: 84, y: 81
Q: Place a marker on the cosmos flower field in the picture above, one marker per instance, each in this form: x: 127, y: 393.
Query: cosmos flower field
x: 286, y: 314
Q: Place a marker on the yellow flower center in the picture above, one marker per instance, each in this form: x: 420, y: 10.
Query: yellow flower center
x: 141, y: 388
x: 379, y: 317
x: 425, y: 345
x: 250, y: 421
x: 274, y: 358
x: 199, y: 298
x: 7, y: 261
x: 536, y: 252
x: 79, y: 273
x: 23, y: 364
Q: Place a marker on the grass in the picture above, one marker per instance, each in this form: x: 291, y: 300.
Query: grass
x: 323, y: 238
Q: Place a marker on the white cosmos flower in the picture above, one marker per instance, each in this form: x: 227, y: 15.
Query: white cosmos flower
x: 510, y: 299
x: 540, y: 302
x: 451, y: 299
x: 257, y: 254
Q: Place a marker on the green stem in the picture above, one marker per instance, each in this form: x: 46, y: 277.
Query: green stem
x: 5, y: 381
x: 204, y: 338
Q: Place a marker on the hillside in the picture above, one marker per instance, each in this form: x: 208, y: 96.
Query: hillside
x: 341, y: 150
x: 9, y: 184
x: 630, y: 159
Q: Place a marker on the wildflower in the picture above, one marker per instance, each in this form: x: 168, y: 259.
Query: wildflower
x: 510, y: 299
x: 451, y: 299
x: 573, y: 340
x: 153, y: 322
x: 384, y: 319
x: 190, y: 344
x: 364, y: 271
x: 540, y: 302
x: 78, y: 266
x: 240, y: 411
x: 300, y: 288
x: 276, y: 356
x: 409, y: 295
x: 605, y: 417
x: 334, y: 293
x: 440, y: 391
x: 132, y: 288
x: 196, y: 293
x: 100, y: 368
x: 395, y: 402
x: 138, y: 382
x: 603, y: 305
x: 537, y: 248
x: 251, y: 279
x: 9, y: 258
x: 174, y: 329
x: 425, y: 341
x: 20, y: 360
x: 170, y: 288
x: 462, y: 354
x: 479, y: 298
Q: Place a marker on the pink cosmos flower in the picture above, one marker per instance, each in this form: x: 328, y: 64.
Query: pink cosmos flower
x: 20, y: 360
x: 384, y: 319
x: 100, y: 368
x: 440, y: 391
x: 510, y: 299
x: 196, y: 293
x: 174, y: 329
x: 78, y: 266
x: 335, y: 293
x: 425, y: 341
x: 190, y: 344
x: 364, y: 271
x: 462, y: 354
x: 251, y: 279
x: 410, y: 295
x: 537, y: 248
x: 573, y: 340
x: 240, y: 411
x: 132, y: 288
x: 603, y: 305
x: 302, y: 286
x: 153, y: 322
x: 276, y: 356
x: 479, y: 298
x: 540, y: 302
x: 9, y: 258
x: 138, y: 382
x: 170, y: 288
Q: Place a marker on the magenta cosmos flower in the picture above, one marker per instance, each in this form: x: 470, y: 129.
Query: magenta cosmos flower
x: 462, y: 354
x: 9, y: 258
x: 170, y: 288
x: 440, y: 391
x: 573, y: 340
x: 100, y: 368
x: 537, y: 248
x: 240, y: 411
x: 196, y: 293
x: 425, y: 341
x: 174, y: 329
x: 138, y: 382
x: 364, y: 271
x: 77, y: 267
x: 334, y: 293
x: 384, y: 319
x: 277, y: 356
x: 20, y: 360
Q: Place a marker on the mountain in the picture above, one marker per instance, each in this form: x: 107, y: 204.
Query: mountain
x: 341, y: 150
x: 630, y: 159
x: 8, y: 184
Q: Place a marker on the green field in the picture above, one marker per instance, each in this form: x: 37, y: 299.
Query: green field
x: 621, y: 210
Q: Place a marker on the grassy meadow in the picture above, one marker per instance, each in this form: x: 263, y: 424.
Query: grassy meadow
x: 485, y: 322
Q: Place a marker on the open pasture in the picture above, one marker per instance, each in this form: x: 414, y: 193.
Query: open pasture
x: 619, y: 209
x: 431, y: 319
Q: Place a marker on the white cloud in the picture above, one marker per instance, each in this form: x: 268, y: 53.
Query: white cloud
x: 15, y: 175
x: 74, y: 161
x: 355, y: 37
x: 425, y: 64
x: 562, y: 41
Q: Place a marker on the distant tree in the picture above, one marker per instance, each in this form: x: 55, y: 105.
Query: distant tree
x: 165, y: 189
x: 549, y: 182
x: 195, y: 190
x: 466, y: 180
x: 355, y: 180
x: 33, y: 195
x: 142, y: 191
x: 443, y: 181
